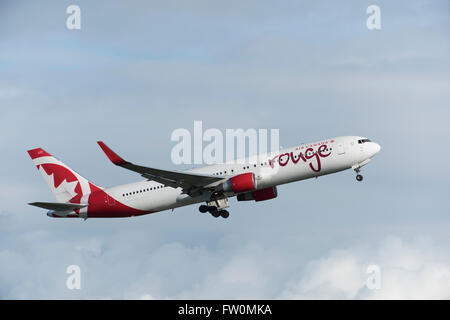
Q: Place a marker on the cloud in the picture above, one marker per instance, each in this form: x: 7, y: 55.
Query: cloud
x: 338, y: 276
x: 415, y: 270
x: 133, y: 259
x: 147, y: 297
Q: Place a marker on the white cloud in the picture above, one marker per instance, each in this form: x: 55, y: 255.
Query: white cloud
x: 147, y: 296
x: 415, y: 270
x: 338, y: 276
x: 136, y: 259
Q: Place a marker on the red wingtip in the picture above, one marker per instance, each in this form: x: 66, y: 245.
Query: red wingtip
x: 111, y: 155
x: 37, y: 153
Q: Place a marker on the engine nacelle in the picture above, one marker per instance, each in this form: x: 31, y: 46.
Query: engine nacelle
x: 259, y: 195
x: 240, y: 183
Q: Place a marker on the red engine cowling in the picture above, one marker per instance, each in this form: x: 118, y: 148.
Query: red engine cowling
x: 259, y: 195
x: 265, y: 194
x: 240, y: 183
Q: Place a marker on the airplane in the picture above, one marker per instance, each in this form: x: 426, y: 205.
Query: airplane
x: 254, y: 179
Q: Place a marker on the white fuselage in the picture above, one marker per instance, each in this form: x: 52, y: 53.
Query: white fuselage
x: 287, y: 165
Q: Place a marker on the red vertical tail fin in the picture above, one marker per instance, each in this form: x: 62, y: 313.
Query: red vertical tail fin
x: 65, y: 184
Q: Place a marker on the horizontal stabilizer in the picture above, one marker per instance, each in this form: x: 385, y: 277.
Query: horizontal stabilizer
x: 56, y: 206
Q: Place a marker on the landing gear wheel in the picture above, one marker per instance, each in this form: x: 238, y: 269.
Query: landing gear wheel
x: 224, y: 214
x: 212, y: 209
x: 359, y: 177
x: 215, y: 213
x: 203, y: 208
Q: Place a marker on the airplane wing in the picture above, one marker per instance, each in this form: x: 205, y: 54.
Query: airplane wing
x: 58, y: 206
x: 188, y: 181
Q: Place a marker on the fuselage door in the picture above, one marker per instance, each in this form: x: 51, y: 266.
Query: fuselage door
x: 340, y: 148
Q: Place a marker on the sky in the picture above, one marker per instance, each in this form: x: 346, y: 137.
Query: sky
x: 139, y: 70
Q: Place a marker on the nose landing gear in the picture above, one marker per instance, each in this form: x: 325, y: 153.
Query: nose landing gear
x: 358, y: 176
x: 357, y: 168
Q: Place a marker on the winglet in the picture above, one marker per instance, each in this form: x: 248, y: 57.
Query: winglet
x: 118, y: 161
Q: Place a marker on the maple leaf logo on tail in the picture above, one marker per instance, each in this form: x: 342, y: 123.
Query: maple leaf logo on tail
x: 65, y: 184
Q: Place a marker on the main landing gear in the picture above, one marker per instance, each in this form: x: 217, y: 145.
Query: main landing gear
x: 214, y: 211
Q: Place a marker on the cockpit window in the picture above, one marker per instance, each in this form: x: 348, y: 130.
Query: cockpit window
x: 363, y: 141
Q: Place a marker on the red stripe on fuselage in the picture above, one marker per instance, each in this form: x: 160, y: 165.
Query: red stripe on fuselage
x: 102, y: 205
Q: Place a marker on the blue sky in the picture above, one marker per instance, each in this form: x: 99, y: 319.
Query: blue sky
x: 136, y: 72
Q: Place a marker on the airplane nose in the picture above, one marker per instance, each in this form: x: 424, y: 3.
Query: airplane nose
x: 377, y: 148
x: 374, y: 149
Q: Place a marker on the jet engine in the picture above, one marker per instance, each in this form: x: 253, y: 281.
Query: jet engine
x: 240, y: 183
x: 259, y: 195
